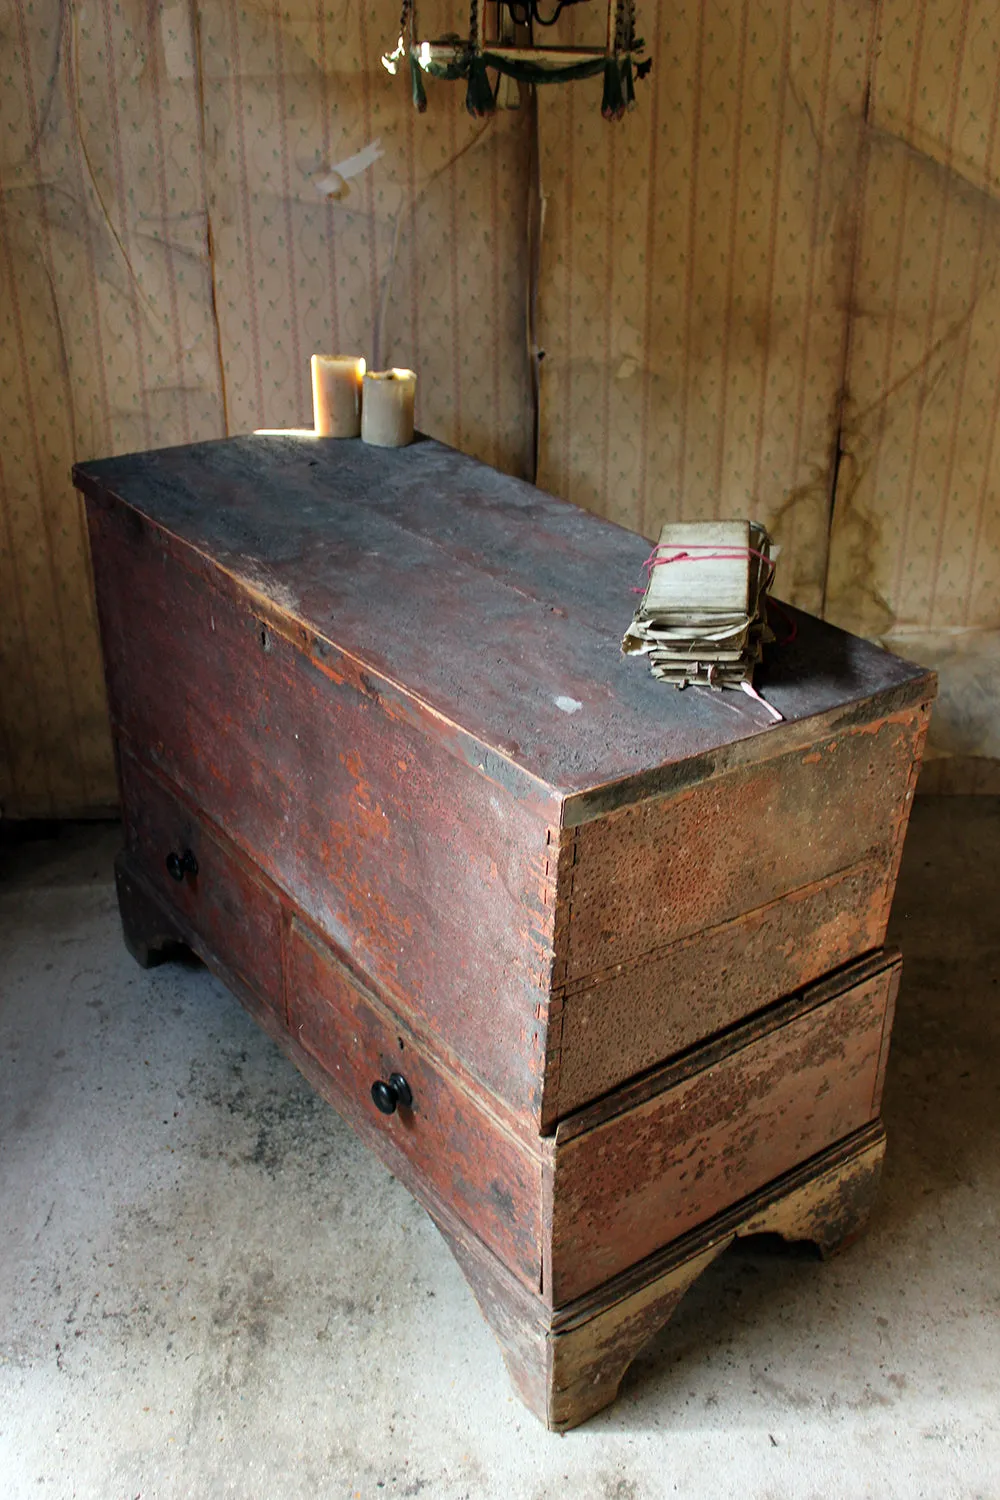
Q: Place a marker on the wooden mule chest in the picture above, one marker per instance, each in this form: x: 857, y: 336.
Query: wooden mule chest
x: 593, y: 964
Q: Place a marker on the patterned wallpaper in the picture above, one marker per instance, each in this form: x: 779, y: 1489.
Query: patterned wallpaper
x: 915, y: 556
x: 774, y: 289
x: 776, y: 279
x: 167, y: 266
x: 695, y: 269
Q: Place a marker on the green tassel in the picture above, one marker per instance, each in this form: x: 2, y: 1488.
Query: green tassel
x: 417, y: 82
x: 479, y: 98
x: 629, y: 85
x: 613, y: 103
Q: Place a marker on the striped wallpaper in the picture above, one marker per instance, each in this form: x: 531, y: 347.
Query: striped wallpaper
x: 695, y: 271
x: 167, y: 266
x: 915, y: 554
x: 775, y: 290
x: 773, y: 287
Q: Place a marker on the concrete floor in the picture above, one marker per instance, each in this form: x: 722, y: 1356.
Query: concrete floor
x: 208, y: 1288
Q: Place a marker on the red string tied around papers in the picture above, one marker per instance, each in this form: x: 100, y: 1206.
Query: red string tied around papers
x: 708, y: 552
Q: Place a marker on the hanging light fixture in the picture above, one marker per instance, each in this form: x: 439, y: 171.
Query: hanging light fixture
x: 475, y: 59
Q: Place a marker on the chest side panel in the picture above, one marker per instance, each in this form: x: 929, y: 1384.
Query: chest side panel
x: 655, y: 873
x: 620, y: 1022
x: 431, y: 878
x: 686, y: 913
x: 716, y: 1129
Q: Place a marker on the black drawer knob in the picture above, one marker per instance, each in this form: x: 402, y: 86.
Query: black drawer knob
x: 387, y: 1096
x: 179, y: 865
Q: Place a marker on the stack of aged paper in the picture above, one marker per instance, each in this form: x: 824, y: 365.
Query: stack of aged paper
x: 703, y: 616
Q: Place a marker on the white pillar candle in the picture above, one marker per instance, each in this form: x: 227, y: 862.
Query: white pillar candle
x: 387, y: 408
x: 336, y: 383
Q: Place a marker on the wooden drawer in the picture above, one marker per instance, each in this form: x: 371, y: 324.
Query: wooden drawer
x: 236, y: 921
x: 662, y: 1156
x: 446, y: 1140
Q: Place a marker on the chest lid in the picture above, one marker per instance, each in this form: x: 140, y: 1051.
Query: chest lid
x: 498, y: 606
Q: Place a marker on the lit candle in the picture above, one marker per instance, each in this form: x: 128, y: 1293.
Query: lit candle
x: 387, y: 408
x: 336, y: 383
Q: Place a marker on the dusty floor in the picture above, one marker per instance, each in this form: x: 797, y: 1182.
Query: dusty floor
x: 207, y: 1288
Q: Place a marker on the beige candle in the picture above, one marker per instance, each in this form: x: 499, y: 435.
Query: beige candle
x: 336, y: 383
x: 387, y: 408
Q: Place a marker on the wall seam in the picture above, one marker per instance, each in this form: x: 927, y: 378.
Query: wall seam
x: 199, y: 84
x: 852, y: 281
x: 536, y: 224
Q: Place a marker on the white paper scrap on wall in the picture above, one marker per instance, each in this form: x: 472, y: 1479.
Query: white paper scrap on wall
x: 334, y: 184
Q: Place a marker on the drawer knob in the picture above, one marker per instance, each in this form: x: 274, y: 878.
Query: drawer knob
x: 179, y: 865
x: 387, y: 1096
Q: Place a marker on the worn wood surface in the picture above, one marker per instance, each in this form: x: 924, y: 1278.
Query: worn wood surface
x: 567, y: 1365
x: 433, y: 881
x: 440, y: 828
x: 652, y: 1162
x: 461, y: 1152
x: 627, y: 1175
x: 495, y: 604
x: 827, y: 1205
x: 489, y: 906
x: 651, y: 874
x: 236, y: 917
x: 684, y: 913
x: 617, y: 1022
x: 149, y: 929
x: 153, y: 924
